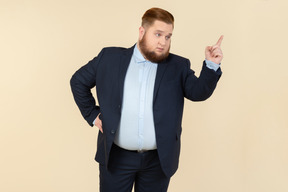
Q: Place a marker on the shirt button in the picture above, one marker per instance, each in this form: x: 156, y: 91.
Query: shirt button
x: 113, y: 131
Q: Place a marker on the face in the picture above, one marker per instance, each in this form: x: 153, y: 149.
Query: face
x: 154, y: 41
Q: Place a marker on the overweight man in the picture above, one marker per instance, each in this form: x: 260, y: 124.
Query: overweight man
x: 140, y: 92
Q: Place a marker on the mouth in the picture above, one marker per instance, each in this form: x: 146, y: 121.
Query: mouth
x: 160, y: 49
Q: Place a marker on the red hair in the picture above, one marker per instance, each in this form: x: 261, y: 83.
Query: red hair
x: 153, y: 14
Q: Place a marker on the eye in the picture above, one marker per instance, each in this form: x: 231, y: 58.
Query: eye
x: 158, y: 34
x: 167, y: 37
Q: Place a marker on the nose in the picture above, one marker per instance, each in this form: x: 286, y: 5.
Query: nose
x: 162, y: 41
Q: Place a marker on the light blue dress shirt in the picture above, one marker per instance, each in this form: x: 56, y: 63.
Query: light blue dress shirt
x: 136, y: 130
x: 212, y: 65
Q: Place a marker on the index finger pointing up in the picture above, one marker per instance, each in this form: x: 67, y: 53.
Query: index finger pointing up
x: 220, y: 41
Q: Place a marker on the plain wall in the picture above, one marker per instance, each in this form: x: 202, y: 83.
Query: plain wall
x: 236, y: 141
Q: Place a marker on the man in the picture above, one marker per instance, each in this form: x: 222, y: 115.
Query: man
x: 141, y: 93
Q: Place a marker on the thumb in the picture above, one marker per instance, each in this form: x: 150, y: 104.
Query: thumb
x: 208, y: 51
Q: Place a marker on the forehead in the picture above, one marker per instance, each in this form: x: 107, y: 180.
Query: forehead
x: 161, y: 27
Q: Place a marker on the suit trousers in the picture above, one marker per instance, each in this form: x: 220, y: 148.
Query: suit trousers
x: 127, y: 168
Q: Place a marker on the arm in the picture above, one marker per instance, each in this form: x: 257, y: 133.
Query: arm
x: 81, y: 83
x: 199, y: 89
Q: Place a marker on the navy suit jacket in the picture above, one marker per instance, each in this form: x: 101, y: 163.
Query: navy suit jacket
x: 174, y: 82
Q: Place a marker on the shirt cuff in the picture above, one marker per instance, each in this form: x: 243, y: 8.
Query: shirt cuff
x: 212, y: 65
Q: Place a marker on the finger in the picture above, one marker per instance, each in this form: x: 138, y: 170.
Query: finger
x: 208, y: 49
x: 217, y: 54
x: 216, y: 51
x: 214, y: 47
x: 220, y: 41
x: 99, y: 126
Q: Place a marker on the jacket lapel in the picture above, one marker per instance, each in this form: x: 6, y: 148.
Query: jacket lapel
x: 159, y: 74
x: 124, y: 63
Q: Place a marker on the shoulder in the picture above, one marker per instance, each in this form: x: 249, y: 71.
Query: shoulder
x: 115, y: 50
x: 176, y: 59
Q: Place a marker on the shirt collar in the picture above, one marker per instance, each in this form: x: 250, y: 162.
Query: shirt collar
x: 139, y: 58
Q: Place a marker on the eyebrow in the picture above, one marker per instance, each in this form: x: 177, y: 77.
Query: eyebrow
x: 159, y: 31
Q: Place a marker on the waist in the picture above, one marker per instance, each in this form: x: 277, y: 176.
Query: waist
x: 134, y: 151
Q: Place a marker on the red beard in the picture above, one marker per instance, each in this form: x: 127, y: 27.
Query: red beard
x: 151, y: 55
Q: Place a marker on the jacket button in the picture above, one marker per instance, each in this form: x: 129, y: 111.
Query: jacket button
x: 113, y: 131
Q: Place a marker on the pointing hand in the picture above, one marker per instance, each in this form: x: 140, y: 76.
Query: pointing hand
x: 214, y: 53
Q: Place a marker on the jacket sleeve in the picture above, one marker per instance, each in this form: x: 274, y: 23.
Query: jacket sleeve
x: 82, y: 81
x: 201, y: 88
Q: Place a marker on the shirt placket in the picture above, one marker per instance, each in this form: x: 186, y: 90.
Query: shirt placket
x: 145, y: 70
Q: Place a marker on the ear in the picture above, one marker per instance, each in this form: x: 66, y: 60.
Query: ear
x: 141, y: 32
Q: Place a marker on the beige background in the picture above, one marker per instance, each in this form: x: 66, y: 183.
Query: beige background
x: 235, y: 141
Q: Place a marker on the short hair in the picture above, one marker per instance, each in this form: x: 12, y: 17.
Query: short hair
x: 153, y: 14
